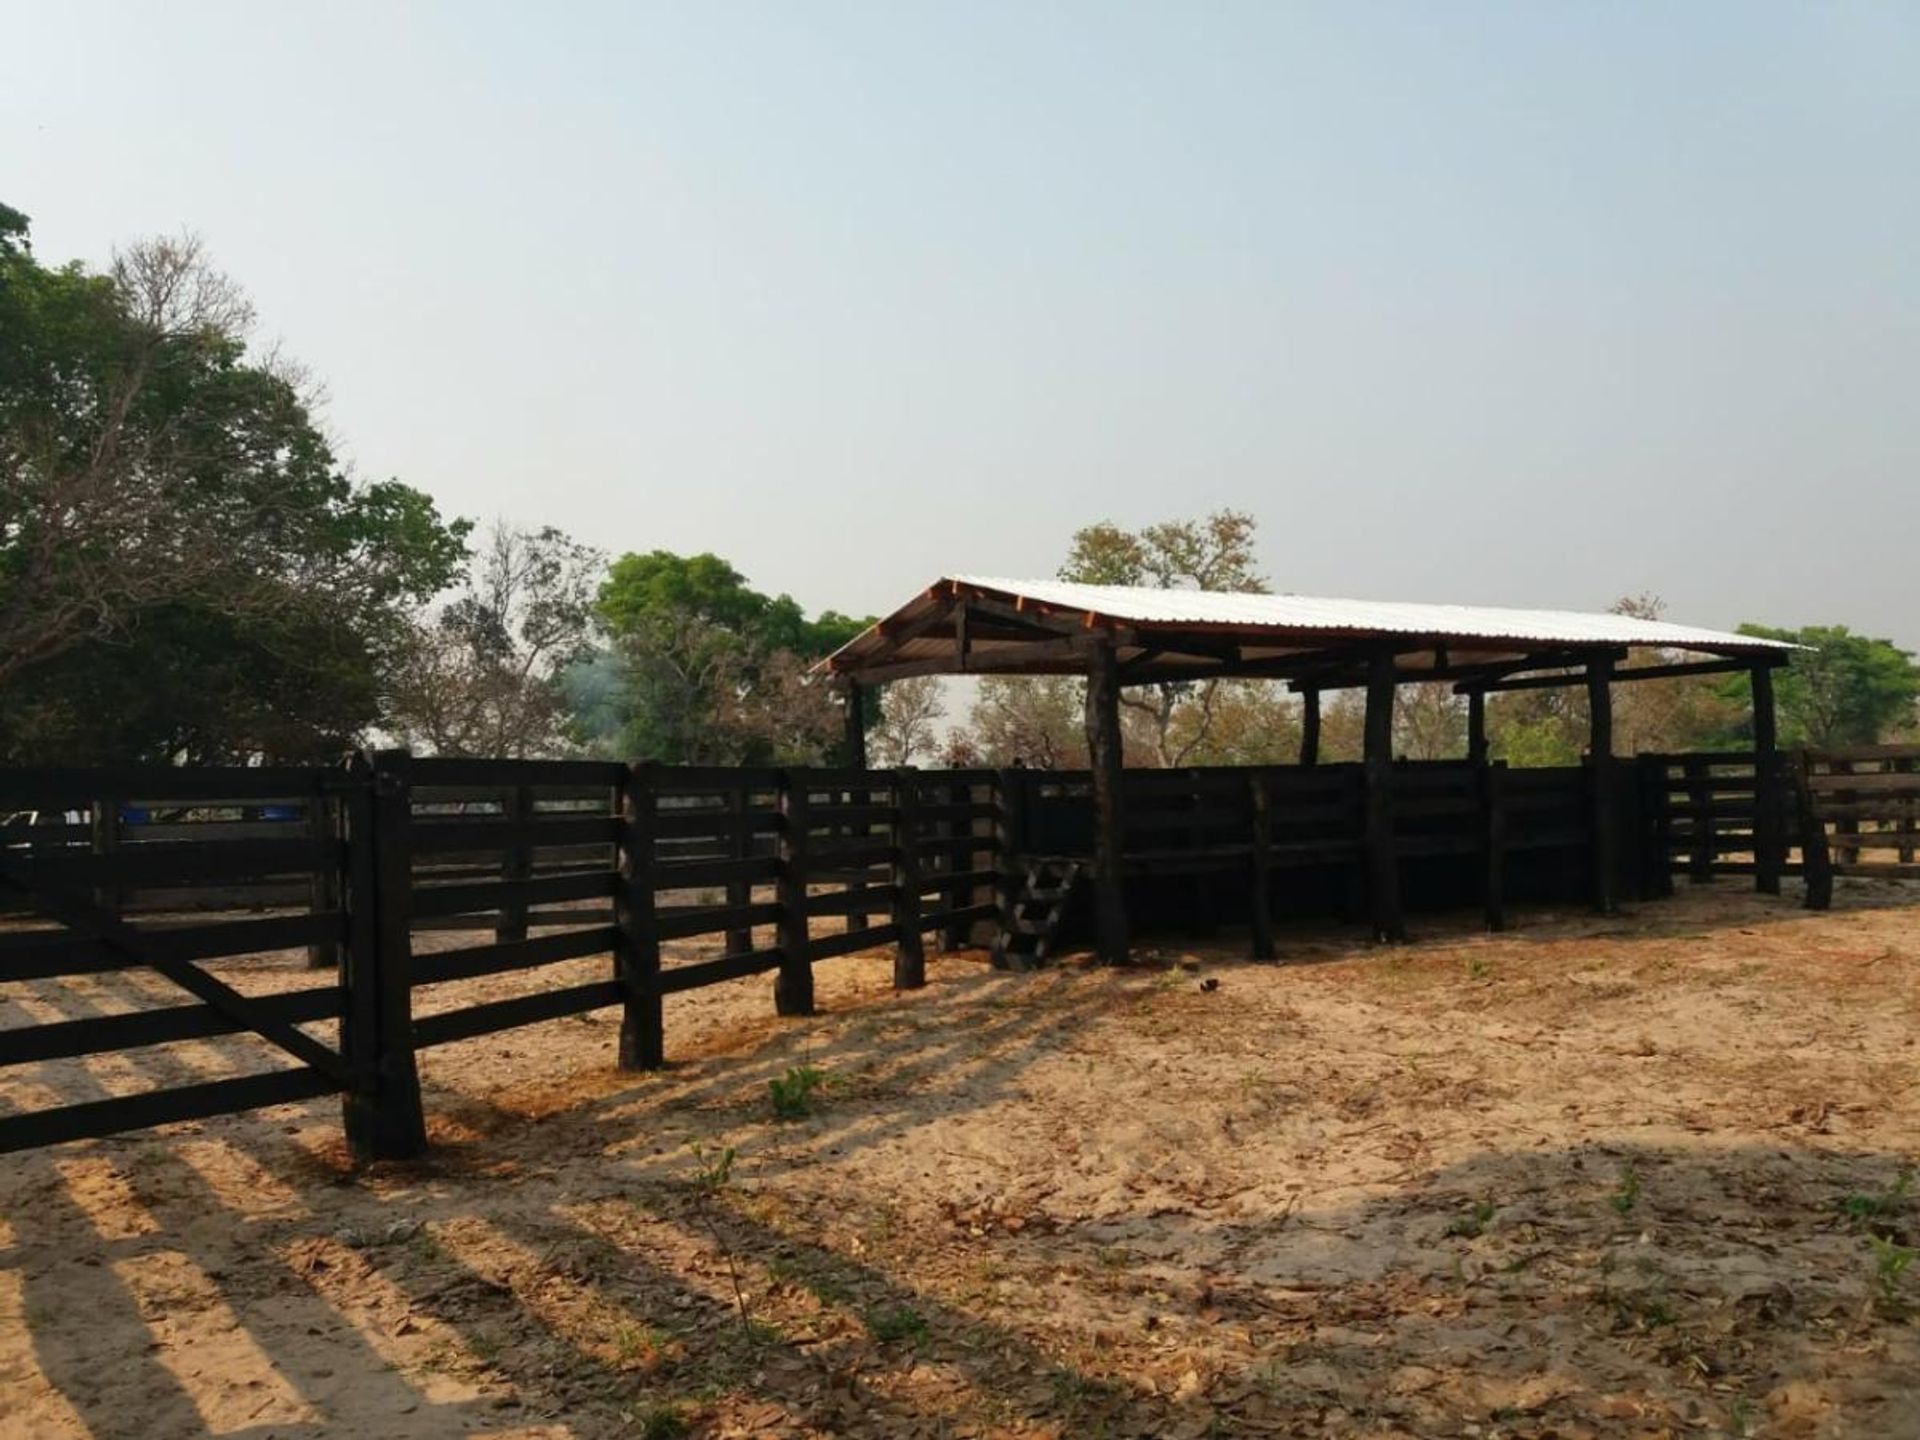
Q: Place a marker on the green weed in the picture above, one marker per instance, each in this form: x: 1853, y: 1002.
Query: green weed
x: 893, y: 1323
x: 1472, y: 1224
x: 1628, y: 1195
x: 793, y: 1092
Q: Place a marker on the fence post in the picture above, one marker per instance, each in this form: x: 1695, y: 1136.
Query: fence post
x: 104, y: 824
x: 739, y: 847
x: 1767, y: 829
x: 1700, y: 803
x: 1262, y: 864
x: 517, y: 864
x: 1904, y: 813
x: 325, y: 827
x: 1816, y: 861
x: 793, y: 985
x: 1493, y: 843
x: 910, y: 955
x: 954, y: 936
x: 636, y: 955
x: 382, y: 1114
x: 1009, y: 837
x: 1656, y: 828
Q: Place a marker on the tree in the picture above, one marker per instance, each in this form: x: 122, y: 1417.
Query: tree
x: 910, y: 710
x: 1036, y: 720
x: 1843, y: 689
x: 715, y: 672
x: 1214, y: 553
x: 483, y: 675
x: 185, y: 571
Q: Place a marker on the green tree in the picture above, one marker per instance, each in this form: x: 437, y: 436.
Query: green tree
x: 1213, y: 553
x: 1843, y: 689
x: 185, y: 571
x: 715, y: 671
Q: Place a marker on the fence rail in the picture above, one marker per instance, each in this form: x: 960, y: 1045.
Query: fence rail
x: 684, y: 877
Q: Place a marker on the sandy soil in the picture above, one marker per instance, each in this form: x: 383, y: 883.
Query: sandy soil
x: 1626, y: 1177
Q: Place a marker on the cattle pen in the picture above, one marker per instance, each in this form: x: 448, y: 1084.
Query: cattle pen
x: 532, y: 863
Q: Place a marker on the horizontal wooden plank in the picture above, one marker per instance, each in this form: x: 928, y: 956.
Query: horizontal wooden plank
x: 701, y: 874
x: 826, y: 947
x: 840, y: 817
x: 470, y: 961
x: 434, y: 837
x: 433, y: 900
x: 503, y: 774
x: 960, y: 915
x: 715, y: 779
x: 682, y: 922
x: 65, y: 787
x: 95, y: 1118
x: 1878, y: 871
x: 1886, y: 784
x: 712, y: 824
x: 100, y: 1034
x: 497, y: 1015
x: 44, y: 954
x: 677, y: 978
x: 184, y: 863
x: 1866, y: 753
x: 865, y: 901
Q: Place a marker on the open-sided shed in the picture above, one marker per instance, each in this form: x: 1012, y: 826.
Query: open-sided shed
x: 1116, y: 636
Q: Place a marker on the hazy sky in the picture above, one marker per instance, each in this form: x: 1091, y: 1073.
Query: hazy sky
x: 1532, y: 304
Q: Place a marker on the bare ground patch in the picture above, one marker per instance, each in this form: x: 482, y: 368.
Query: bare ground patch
x: 1632, y: 1176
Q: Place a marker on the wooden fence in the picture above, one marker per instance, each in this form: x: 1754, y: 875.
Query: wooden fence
x: 1859, y: 815
x: 537, y: 863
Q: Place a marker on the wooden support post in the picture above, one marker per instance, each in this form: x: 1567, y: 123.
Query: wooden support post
x: 1700, y: 821
x: 382, y: 1114
x: 1816, y: 860
x: 739, y: 847
x: 1904, y: 812
x: 636, y: 956
x: 793, y: 985
x: 1310, y: 728
x: 954, y: 936
x: 1603, y: 820
x: 909, y: 956
x: 1767, y: 784
x: 1010, y: 845
x: 855, y: 721
x: 1493, y: 843
x: 1260, y: 874
x: 104, y: 830
x: 1104, y: 752
x: 516, y: 865
x: 326, y: 885
x: 1656, y: 828
x: 1383, y: 863
x: 1477, y: 726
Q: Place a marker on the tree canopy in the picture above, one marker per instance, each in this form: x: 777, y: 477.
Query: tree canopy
x: 186, y: 571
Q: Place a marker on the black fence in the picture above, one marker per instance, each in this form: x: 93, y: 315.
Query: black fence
x: 684, y: 877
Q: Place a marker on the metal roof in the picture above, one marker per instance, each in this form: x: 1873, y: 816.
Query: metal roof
x: 1322, y: 614
x: 992, y: 624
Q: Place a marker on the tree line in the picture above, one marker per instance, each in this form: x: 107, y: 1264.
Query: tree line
x: 189, y: 574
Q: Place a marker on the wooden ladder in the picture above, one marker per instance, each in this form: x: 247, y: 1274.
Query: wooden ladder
x: 1037, y: 912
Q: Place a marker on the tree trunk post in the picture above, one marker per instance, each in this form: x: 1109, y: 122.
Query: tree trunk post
x: 516, y: 868
x: 793, y: 985
x: 910, y: 955
x: 1383, y: 863
x: 1767, y: 781
x: 1104, y: 752
x: 1477, y: 726
x: 382, y: 1115
x: 1816, y: 860
x: 855, y: 723
x: 1602, y: 816
x: 636, y: 956
x: 1310, y: 728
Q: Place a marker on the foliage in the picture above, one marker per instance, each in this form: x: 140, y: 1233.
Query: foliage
x: 1036, y: 720
x: 1214, y: 553
x: 792, y: 1093
x: 910, y: 709
x: 714, y: 671
x: 185, y: 570
x: 483, y: 675
x: 892, y: 1324
x: 1627, y: 1197
x: 1844, y: 689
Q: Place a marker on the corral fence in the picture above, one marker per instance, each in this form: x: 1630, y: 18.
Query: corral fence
x: 689, y: 876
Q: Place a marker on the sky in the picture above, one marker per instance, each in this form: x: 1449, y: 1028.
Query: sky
x: 1502, y: 304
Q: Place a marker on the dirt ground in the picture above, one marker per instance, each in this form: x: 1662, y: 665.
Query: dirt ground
x: 1632, y: 1176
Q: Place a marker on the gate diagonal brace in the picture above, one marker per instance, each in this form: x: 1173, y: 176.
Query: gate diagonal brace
x: 87, y: 919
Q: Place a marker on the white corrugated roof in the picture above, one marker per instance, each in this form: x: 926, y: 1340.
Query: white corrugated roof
x: 1297, y: 613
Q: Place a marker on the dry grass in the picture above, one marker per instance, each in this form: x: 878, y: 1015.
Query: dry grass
x: 1632, y: 1177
